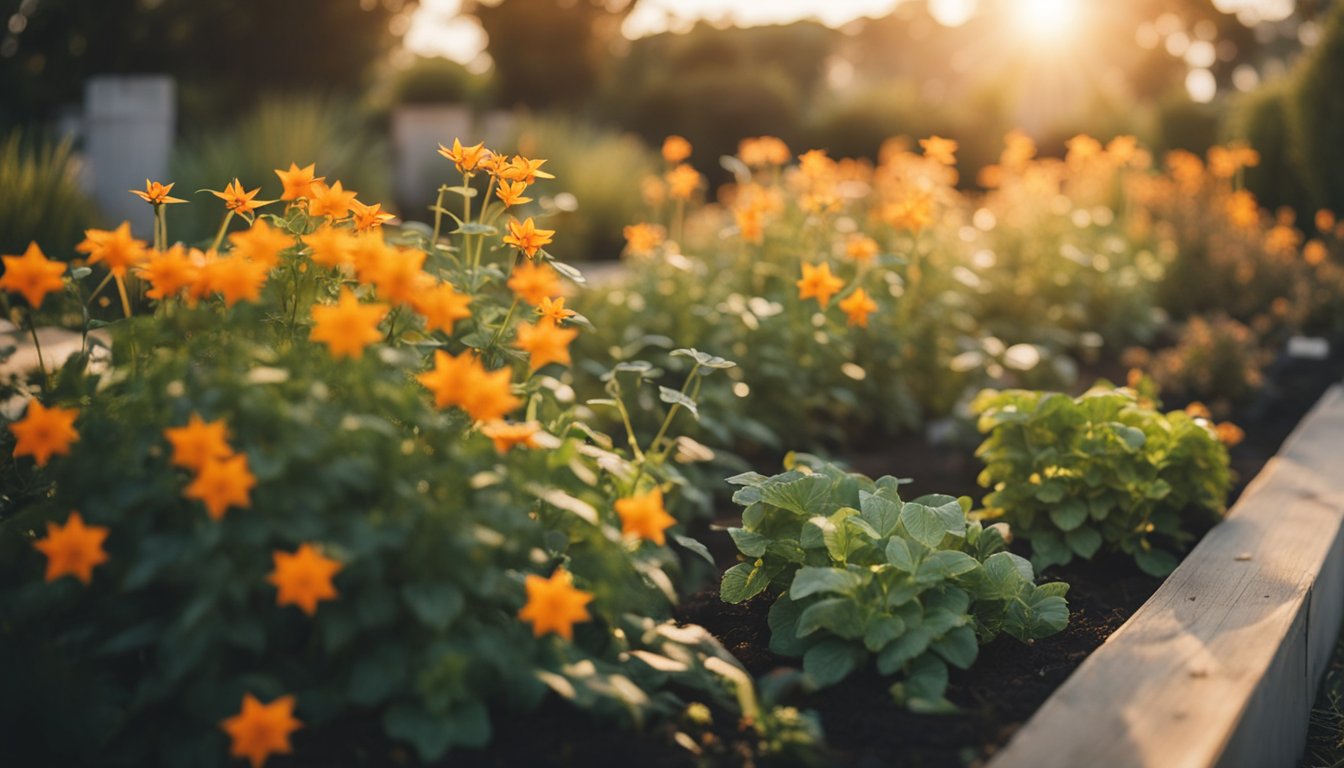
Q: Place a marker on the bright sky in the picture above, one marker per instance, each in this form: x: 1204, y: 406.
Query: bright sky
x: 437, y: 30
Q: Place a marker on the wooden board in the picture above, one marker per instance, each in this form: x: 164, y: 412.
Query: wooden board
x: 1220, y: 666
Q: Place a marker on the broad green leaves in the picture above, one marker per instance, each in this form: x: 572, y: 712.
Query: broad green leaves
x: 1103, y: 470
x: 859, y: 574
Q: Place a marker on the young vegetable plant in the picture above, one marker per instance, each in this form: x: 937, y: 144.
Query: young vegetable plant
x: 1105, y: 469
x: 859, y: 573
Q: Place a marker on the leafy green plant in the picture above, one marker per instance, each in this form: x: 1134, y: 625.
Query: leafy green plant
x: 1102, y: 470
x: 858, y: 573
x: 40, y: 197
x: 328, y: 394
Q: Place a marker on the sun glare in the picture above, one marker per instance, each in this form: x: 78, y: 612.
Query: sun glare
x: 1045, y: 20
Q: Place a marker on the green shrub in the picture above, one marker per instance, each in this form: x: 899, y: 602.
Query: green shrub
x: 856, y: 572
x: 433, y: 80
x: 434, y: 529
x: 1316, y: 115
x: 280, y: 131
x: 1260, y: 118
x: 40, y: 197
x: 1216, y: 360
x: 1102, y: 470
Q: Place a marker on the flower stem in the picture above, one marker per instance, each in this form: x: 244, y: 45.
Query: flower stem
x: 37, y: 345
x: 438, y: 216
x: 224, y: 227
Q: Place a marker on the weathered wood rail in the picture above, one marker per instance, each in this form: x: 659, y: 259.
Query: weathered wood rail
x: 1220, y: 666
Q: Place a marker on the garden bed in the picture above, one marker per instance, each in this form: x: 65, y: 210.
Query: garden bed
x: 1009, y: 683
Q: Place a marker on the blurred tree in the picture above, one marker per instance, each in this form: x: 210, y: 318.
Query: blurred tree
x: 221, y: 52
x: 1316, y: 115
x: 549, y: 52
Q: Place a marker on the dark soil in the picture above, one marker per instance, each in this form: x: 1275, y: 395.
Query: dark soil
x: 863, y: 727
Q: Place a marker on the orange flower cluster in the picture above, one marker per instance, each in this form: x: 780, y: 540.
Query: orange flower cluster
x: 222, y: 478
x: 462, y: 381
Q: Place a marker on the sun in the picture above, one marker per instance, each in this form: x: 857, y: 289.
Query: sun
x: 1045, y: 21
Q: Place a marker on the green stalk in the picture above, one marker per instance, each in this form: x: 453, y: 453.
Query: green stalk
x: 219, y: 236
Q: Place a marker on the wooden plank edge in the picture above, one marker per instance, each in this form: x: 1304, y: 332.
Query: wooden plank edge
x: 1267, y: 725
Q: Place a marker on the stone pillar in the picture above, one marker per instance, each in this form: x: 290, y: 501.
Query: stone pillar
x: 129, y: 126
x: 417, y: 132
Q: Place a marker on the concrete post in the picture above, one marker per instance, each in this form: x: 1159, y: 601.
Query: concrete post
x: 129, y: 125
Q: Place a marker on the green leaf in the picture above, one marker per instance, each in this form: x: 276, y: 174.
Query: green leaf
x: 705, y: 360
x: 1004, y: 576
x: 898, y: 554
x: 926, y: 686
x: 880, y: 631
x: 804, y: 496
x: 377, y: 674
x: 959, y: 647
x: 923, y: 524
x: 1084, y: 541
x: 945, y: 564
x: 1132, y: 437
x: 673, y: 397
x: 838, y: 614
x: 694, y: 546
x: 1155, y: 562
x: 1069, y: 514
x: 1050, y: 492
x: 880, y: 512
x: 749, y: 543
x: 906, y: 647
x: 570, y: 272
x: 829, y: 661
x: 742, y: 582
x: 428, y: 734
x: 783, y: 620
x: 810, y: 581
x: 435, y: 605
x: 475, y: 228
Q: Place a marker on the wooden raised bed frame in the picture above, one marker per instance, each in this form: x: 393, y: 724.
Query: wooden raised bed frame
x: 1220, y: 666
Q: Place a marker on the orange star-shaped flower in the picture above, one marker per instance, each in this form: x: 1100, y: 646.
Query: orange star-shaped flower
x: 463, y: 382
x: 199, y: 442
x: 441, y: 306
x: 522, y: 169
x: 73, y: 549
x: 298, y: 182
x: 554, y: 604
x: 940, y: 150
x: 506, y: 435
x: 533, y: 281
x: 682, y: 182
x: 545, y: 342
x: 644, y: 517
x: 303, y: 578
x: 329, y: 246
x: 466, y: 158
x: 818, y: 282
x: 861, y: 248
x: 641, y: 239
x: 261, y: 730
x: 511, y: 192
x: 156, y: 193
x: 858, y: 306
x: 32, y: 275
x: 554, y: 310
x: 526, y: 237
x: 367, y: 253
x: 334, y: 201
x: 239, y: 201
x: 167, y: 272
x: 397, y: 275
x: 44, y: 432
x: 348, y: 326
x: 236, y: 279
x: 913, y: 213
x: 261, y: 243
x: 676, y: 149
x: 1082, y: 148
x: 367, y: 217
x: 223, y: 483
x: 115, y: 248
